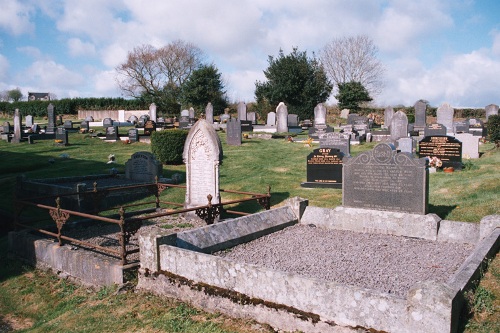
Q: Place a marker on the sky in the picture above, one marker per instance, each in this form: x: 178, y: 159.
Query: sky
x: 445, y: 51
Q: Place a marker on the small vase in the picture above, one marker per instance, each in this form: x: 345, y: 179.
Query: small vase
x: 432, y: 170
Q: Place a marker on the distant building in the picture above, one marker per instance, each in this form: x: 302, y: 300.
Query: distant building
x: 33, y: 96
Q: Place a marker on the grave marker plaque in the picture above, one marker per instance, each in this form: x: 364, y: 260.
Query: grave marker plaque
x: 434, y: 130
x: 112, y: 133
x: 324, y: 168
x: 383, y: 179
x: 447, y: 148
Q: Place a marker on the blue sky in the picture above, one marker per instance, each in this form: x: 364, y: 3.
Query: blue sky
x: 440, y: 51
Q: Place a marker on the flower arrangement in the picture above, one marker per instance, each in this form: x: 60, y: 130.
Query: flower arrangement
x: 435, y: 162
x: 111, y: 159
x: 58, y: 141
x: 308, y: 142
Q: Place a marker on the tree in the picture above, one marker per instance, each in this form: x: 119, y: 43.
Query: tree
x: 203, y: 86
x: 296, y: 80
x: 351, y: 59
x: 351, y: 94
x: 15, y: 95
x: 156, y: 75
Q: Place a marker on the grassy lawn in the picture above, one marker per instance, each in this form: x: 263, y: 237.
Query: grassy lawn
x: 36, y: 301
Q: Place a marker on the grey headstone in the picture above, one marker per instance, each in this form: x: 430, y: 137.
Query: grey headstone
x: 112, y: 133
x: 17, y: 127
x: 6, y: 127
x: 185, y: 113
x: 233, y: 130
x: 405, y: 145
x: 133, y: 135
x: 68, y: 124
x: 420, y: 115
x: 281, y: 118
x: 191, y: 115
x: 251, y: 116
x: 383, y: 179
x: 143, y: 166
x: 62, y: 134
x: 344, y: 113
x: 388, y: 113
x: 51, y: 117
x: 435, y: 130
x: 336, y: 140
x: 84, y: 125
x: 107, y: 122
x: 202, y: 156
x: 242, y: 111
x: 399, y: 126
x: 152, y: 112
x: 91, y: 119
x: 461, y: 126
x: 491, y: 110
x: 209, y: 113
x: 319, y: 114
x: 470, y: 145
x: 271, y: 119
x: 293, y: 120
x: 444, y: 115
x: 29, y: 121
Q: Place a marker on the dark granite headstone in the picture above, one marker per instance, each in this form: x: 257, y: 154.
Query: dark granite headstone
x: 68, y: 124
x: 233, y: 129
x: 324, y: 168
x: 112, y: 133
x: 149, y: 127
x: 133, y: 135
x: 336, y: 140
x: 293, y: 120
x: 447, y: 148
x: 420, y: 115
x: 434, y: 130
x: 383, y: 179
x: 246, y: 126
x: 461, y: 126
x: 107, y: 122
x: 51, y: 117
x: 62, y: 134
x: 84, y: 125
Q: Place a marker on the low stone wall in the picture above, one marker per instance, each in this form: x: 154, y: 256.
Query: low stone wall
x: 291, y: 302
x: 87, y: 267
x: 113, y: 114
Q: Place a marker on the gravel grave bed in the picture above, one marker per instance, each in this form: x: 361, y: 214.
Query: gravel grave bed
x: 386, y: 263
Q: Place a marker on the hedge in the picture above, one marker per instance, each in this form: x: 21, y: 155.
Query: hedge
x: 168, y: 145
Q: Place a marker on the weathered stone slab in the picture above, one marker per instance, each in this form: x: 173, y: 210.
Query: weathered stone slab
x: 143, y: 166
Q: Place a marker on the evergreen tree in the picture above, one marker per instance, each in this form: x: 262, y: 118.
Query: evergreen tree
x: 351, y: 95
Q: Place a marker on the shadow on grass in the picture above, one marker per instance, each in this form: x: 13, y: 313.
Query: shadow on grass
x: 441, y: 211
x: 253, y: 206
x: 8, y: 266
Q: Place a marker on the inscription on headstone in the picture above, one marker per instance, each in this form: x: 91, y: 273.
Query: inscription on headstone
x: 324, y: 168
x: 383, y: 179
x: 336, y: 140
x: 143, y: 166
x: 447, y: 148
x: 233, y: 129
x: 133, y: 135
x: 434, y: 130
x: 112, y: 133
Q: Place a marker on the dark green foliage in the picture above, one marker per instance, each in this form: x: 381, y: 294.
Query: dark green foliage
x: 296, y: 80
x: 494, y: 128
x: 168, y: 145
x: 351, y: 95
x: 15, y: 95
x: 205, y: 85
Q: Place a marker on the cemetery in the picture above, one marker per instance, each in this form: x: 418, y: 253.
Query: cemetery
x: 380, y: 241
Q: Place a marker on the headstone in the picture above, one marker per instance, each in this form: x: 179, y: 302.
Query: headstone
x: 62, y: 134
x: 202, y: 156
x: 233, y: 130
x: 191, y: 115
x: 242, y: 111
x: 344, y: 113
x: 420, y: 115
x: 51, y: 117
x: 434, y: 130
x: 84, y: 125
x: 316, y: 131
x: 17, y: 127
x: 107, y: 122
x: 388, y: 113
x: 149, y: 127
x: 152, y: 112
x: 209, y: 113
x: 29, y: 121
x: 133, y: 119
x: 225, y: 117
x: 470, y: 145
x: 35, y: 128
x: 461, y: 126
x: 91, y: 119
x: 447, y: 148
x: 184, y: 120
x: 133, y: 135
x: 282, y: 118
x: 252, y: 117
x: 324, y: 168
x: 68, y: 124
x: 6, y: 127
x: 271, y: 119
x: 476, y: 127
x: 121, y: 116
x: 383, y: 179
x: 491, y: 110
x: 293, y: 120
x: 112, y: 133
x: 351, y: 118
x: 444, y: 115
x: 143, y: 166
x: 336, y: 140
x: 399, y: 126
x: 185, y: 113
x: 405, y: 145
x: 59, y: 120
x: 319, y: 114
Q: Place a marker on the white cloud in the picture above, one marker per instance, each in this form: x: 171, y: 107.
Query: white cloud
x: 50, y: 76
x: 15, y: 17
x: 4, y: 67
x: 241, y: 85
x: 77, y: 47
x: 105, y: 84
x: 496, y: 42
x: 31, y: 51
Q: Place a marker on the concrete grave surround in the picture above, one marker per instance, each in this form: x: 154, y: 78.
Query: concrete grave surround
x: 242, y: 111
x: 271, y: 119
x: 470, y: 145
x: 386, y: 180
x: 202, y: 156
x: 282, y: 118
x: 319, y: 114
x: 399, y: 126
x: 491, y: 110
x: 209, y: 113
x: 388, y: 113
x: 445, y: 115
x: 143, y: 166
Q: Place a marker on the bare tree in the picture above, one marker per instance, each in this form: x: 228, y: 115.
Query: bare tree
x: 153, y: 72
x: 353, y: 59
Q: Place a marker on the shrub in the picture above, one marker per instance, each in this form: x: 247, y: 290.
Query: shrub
x: 168, y: 145
x: 494, y: 128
